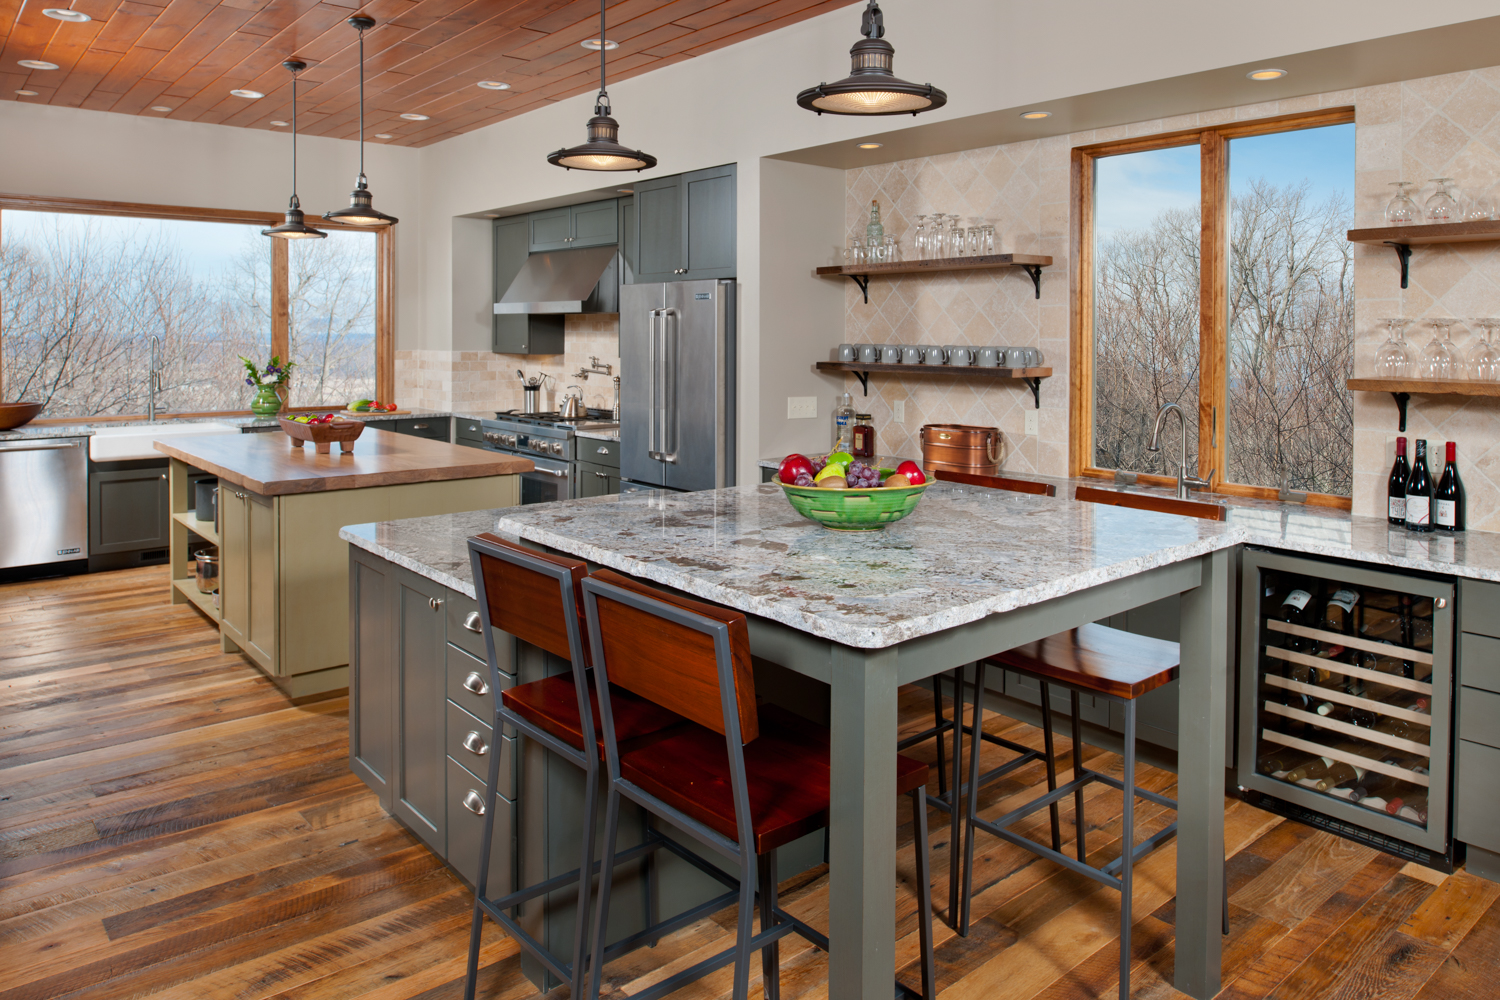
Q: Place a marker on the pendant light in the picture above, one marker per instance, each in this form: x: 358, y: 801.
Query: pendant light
x: 603, y: 150
x: 294, y: 228
x: 360, y: 211
x: 871, y: 88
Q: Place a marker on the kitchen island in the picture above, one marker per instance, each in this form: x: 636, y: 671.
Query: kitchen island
x: 283, y: 594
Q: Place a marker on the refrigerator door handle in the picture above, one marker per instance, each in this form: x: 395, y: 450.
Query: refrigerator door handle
x: 669, y: 325
x: 653, y: 391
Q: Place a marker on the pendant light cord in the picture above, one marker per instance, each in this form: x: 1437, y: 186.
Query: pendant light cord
x: 294, y: 138
x: 361, y: 103
x: 602, y: 46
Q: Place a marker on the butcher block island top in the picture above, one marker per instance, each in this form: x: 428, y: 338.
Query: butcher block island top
x: 269, y: 465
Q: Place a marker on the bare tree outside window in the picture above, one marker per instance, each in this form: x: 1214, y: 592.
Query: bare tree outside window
x: 333, y: 319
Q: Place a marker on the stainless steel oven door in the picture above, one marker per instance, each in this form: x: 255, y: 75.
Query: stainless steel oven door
x: 550, y: 480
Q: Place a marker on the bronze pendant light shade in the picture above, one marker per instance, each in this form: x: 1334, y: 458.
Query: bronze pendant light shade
x: 294, y: 228
x: 871, y: 87
x: 361, y: 210
x: 603, y: 150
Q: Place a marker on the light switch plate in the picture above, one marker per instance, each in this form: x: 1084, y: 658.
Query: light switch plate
x: 801, y: 407
x: 898, y: 411
x: 1031, y: 422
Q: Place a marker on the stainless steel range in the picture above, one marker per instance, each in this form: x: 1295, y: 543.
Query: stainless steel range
x: 547, y: 439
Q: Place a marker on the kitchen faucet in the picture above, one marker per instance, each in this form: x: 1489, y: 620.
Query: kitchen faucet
x: 1185, y: 482
x: 153, y: 377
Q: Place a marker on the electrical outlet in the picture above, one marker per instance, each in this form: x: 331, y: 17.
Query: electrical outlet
x: 801, y: 407
x: 898, y: 411
x: 1031, y: 422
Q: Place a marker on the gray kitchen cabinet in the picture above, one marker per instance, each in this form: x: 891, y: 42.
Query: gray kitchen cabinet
x: 128, y: 509
x: 1476, y: 798
x: 549, y: 230
x: 596, y: 481
x: 382, y: 425
x: 468, y: 431
x: 247, y: 578
x: 465, y: 799
x: 515, y: 333
x: 685, y: 226
x: 433, y: 428
x: 628, y: 241
x: 658, y: 230
x: 418, y: 773
x: 372, y: 674
x: 595, y: 224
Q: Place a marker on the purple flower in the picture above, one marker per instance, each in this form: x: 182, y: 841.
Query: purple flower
x: 249, y: 381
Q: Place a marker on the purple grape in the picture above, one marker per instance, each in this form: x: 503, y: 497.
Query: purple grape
x: 804, y: 480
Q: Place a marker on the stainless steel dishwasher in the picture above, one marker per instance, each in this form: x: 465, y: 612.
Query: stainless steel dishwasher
x: 44, y: 501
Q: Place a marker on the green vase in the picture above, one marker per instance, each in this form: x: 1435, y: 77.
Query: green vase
x: 266, y: 403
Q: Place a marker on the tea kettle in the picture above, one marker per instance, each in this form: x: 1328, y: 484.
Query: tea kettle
x: 572, y: 405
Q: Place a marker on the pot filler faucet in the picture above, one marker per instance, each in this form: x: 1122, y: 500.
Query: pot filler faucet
x: 1185, y: 482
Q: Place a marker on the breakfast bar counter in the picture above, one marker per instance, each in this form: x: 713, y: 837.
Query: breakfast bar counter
x: 967, y: 574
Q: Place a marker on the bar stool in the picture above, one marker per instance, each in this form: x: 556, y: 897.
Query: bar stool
x: 535, y: 597
x: 742, y: 779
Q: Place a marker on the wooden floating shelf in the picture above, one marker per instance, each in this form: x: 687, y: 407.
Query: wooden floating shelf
x: 203, y: 529
x: 1402, y: 388
x: 1031, y: 376
x: 188, y: 587
x: 861, y: 274
x: 1403, y: 238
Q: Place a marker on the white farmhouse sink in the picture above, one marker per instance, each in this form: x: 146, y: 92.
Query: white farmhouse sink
x: 122, y: 444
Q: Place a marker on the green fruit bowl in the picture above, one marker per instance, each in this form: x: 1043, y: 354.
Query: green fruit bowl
x: 853, y: 510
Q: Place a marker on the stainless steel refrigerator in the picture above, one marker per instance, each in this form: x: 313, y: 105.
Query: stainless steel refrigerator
x: 677, y: 375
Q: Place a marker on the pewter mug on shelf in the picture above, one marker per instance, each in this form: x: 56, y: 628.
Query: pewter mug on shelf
x: 934, y: 355
x: 911, y: 355
x: 890, y: 354
x: 848, y: 353
x: 869, y: 353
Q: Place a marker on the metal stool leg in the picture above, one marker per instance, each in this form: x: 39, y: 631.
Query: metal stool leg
x: 955, y: 823
x: 586, y: 864
x: 770, y: 955
x: 601, y: 902
x: 482, y: 885
x: 924, y: 893
x: 1127, y: 856
x: 938, y: 720
x: 971, y: 813
x: 1051, y: 761
x: 1078, y: 824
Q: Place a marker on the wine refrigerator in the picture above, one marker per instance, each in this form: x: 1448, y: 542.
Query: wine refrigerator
x: 1346, y: 700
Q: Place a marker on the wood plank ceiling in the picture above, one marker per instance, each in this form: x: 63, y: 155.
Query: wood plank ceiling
x: 423, y: 57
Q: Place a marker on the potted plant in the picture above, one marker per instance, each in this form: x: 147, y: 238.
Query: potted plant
x: 266, y: 381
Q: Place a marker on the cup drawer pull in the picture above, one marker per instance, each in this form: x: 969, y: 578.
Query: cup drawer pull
x: 475, y: 744
x: 474, y: 684
x: 474, y: 802
x: 471, y: 622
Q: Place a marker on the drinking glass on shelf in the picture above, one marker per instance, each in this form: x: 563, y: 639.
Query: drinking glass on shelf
x: 1484, y: 357
x: 935, y: 238
x: 852, y: 253
x: 1477, y: 206
x: 892, y: 250
x: 1442, y: 206
x: 976, y: 241
x: 955, y: 244
x: 1402, y: 211
x: 989, y: 240
x: 1393, y: 360
x: 919, y: 238
x: 960, y: 241
x: 1437, y: 359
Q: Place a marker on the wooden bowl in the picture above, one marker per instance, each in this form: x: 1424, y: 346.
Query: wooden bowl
x: 13, y: 415
x: 323, y: 435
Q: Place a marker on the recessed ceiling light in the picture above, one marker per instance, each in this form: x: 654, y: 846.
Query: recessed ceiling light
x: 869, y: 145
x: 161, y: 107
x: 249, y: 95
x: 36, y: 64
x: 493, y: 85
x: 593, y: 44
x: 414, y: 118
x: 63, y: 14
x: 1032, y: 116
x: 27, y: 93
x: 384, y: 135
x: 1266, y: 74
x: 276, y: 124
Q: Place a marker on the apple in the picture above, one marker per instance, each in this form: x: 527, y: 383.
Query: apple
x: 912, y: 471
x: 793, y: 466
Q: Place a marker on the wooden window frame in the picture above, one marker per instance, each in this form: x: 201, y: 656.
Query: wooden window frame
x: 385, y: 298
x: 1213, y: 304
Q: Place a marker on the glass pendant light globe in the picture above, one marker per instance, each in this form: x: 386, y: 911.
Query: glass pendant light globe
x: 294, y: 228
x: 361, y: 210
x: 603, y: 150
x: 872, y: 88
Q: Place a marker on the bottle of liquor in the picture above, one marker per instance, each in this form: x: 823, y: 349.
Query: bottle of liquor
x: 843, y: 423
x: 874, y: 232
x: 1419, y: 492
x: 1396, y: 500
x: 1449, y: 497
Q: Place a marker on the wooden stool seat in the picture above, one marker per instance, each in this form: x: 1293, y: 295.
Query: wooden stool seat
x: 1099, y: 659
x: 551, y: 704
x: 787, y: 767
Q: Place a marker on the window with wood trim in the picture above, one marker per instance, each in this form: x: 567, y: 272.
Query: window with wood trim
x: 85, y: 287
x: 1212, y: 271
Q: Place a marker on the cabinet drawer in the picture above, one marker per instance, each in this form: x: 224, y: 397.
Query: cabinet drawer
x: 605, y: 454
x: 1479, y: 661
x: 469, y: 683
x: 466, y: 832
x: 1479, y: 716
x: 1479, y: 607
x: 464, y: 630
x: 470, y: 742
x: 1476, y: 796
x: 435, y: 428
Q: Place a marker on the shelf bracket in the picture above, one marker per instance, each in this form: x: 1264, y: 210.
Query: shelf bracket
x: 863, y: 281
x: 1401, y: 400
x: 864, y: 380
x: 1034, y: 383
x: 1403, y: 251
x: 1035, y: 270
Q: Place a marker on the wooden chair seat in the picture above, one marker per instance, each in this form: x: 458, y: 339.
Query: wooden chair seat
x: 786, y: 766
x: 552, y: 706
x: 1097, y: 658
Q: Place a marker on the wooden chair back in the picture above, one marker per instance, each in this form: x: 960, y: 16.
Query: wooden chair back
x: 996, y: 482
x: 674, y: 651
x: 531, y: 595
x: 1144, y: 501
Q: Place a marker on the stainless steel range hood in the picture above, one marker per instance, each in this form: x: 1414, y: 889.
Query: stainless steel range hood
x: 565, y: 281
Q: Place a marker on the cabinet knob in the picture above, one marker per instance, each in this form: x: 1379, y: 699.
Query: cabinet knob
x: 471, y: 622
x: 475, y: 744
x: 474, y: 802
x: 474, y: 684
x: 434, y: 602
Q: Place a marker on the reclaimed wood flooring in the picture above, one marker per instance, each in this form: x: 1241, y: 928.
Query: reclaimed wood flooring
x: 170, y: 825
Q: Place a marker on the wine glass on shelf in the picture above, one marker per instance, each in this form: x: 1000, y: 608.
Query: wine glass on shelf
x: 935, y: 240
x: 1442, y: 206
x: 1478, y: 206
x: 1484, y: 357
x: 1402, y: 211
x: 1393, y: 360
x: 919, y: 238
x: 1437, y: 359
x: 955, y: 243
x: 1456, y: 356
x: 891, y: 251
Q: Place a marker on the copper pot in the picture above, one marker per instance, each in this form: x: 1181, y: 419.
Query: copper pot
x: 962, y: 448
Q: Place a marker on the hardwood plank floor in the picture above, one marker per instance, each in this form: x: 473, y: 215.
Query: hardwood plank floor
x: 170, y: 825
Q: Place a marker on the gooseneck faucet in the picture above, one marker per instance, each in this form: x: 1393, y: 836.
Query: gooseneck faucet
x: 1185, y: 482
x: 153, y: 377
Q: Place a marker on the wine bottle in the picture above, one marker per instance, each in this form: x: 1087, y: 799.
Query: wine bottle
x: 1292, y: 609
x: 1416, y: 801
x: 1449, y: 496
x: 1338, y: 616
x: 1419, y: 492
x: 1280, y: 760
x: 1318, y: 767
x: 1396, y: 498
x: 1340, y: 774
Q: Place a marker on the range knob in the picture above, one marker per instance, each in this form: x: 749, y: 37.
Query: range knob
x: 510, y: 440
x: 556, y: 447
